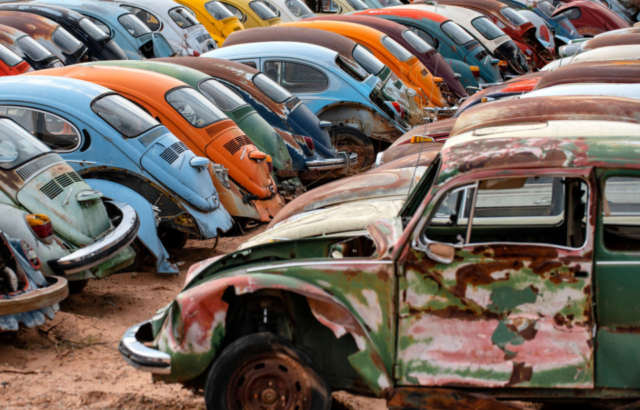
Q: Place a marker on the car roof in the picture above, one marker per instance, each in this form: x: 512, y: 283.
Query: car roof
x: 363, y: 32
x: 612, y: 40
x: 47, y: 89
x: 600, y: 72
x: 455, y: 13
x: 276, y: 48
x: 10, y: 34
x: 89, y: 6
x: 628, y: 52
x: 163, y: 5
x: 404, y: 11
x: 590, y: 89
x: 36, y: 26
x: 47, y: 10
x: 493, y: 6
x: 382, y: 25
x: 182, y: 73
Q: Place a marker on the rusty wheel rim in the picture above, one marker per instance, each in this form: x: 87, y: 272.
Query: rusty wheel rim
x: 269, y: 382
x: 346, y: 144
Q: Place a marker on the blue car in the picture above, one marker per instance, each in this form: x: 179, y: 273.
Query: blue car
x: 337, y: 91
x: 126, y: 154
x: 131, y: 34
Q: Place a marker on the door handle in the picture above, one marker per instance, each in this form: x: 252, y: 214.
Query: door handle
x: 581, y: 274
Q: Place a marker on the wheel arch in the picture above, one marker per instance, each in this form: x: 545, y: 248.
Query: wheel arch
x: 361, y: 117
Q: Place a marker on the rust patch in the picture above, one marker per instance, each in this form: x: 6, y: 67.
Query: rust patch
x: 521, y: 373
x: 480, y: 274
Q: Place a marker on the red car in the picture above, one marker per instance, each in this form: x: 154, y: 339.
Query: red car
x: 589, y: 18
x: 11, y: 63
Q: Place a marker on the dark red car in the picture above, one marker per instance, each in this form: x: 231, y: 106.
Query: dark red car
x: 589, y: 18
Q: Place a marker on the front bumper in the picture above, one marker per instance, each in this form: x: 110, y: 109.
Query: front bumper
x: 56, y: 291
x: 133, y: 350
x: 344, y: 162
x: 102, y: 250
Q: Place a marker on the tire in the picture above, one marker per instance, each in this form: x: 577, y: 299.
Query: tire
x: 350, y: 139
x: 273, y: 369
x: 172, y: 239
x: 77, y: 286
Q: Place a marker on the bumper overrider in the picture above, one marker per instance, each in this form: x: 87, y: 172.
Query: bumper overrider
x: 344, y: 161
x: 134, y: 351
x: 102, y: 250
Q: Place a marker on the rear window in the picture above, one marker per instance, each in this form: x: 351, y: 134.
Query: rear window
x: 271, y: 88
x: 67, y: 43
x: 133, y: 25
x: 367, y: 60
x: 223, y: 97
x: 123, y: 115
x: 92, y: 30
x: 194, y: 107
x: 396, y: 49
x: 262, y: 11
x: 17, y: 146
x: 298, y: 8
x: 457, y: 34
x: 183, y: 18
x: 489, y: 30
x: 9, y: 57
x: 218, y: 10
x: 416, y: 42
x: 358, y: 4
x: 513, y: 16
x: 32, y: 49
x: 546, y: 8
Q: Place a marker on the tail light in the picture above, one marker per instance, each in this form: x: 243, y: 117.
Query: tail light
x: 310, y: 143
x: 41, y: 226
x: 475, y: 70
x: 30, y: 254
x: 416, y: 139
x: 399, y: 109
x: 503, y: 65
x: 270, y: 163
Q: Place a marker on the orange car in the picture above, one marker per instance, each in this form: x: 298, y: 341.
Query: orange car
x: 249, y: 192
x: 404, y: 64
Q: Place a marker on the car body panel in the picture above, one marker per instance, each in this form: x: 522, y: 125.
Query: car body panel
x: 593, y: 18
x: 596, y: 72
x: 613, y: 53
x: 218, y: 29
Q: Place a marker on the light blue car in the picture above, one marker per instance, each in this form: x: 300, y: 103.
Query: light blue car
x: 335, y: 89
x: 126, y: 154
x: 131, y: 34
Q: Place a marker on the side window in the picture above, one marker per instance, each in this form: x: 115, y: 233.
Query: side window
x: 250, y: 64
x: 147, y: 18
x: 542, y: 210
x: 57, y: 133
x: 101, y: 25
x: 423, y: 35
x: 272, y: 6
x: 296, y: 78
x: 236, y: 12
x: 621, y: 213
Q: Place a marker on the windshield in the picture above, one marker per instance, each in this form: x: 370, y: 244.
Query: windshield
x: 271, y: 88
x: 9, y: 57
x: 221, y: 96
x: 396, y: 49
x: 134, y: 26
x: 262, y: 11
x: 513, y: 16
x: 457, y: 34
x: 183, y: 18
x: 123, y: 115
x: 32, y: 49
x: 358, y: 4
x: 416, y: 42
x: 194, y: 107
x: 63, y: 39
x: 92, y: 30
x: 217, y: 10
x: 17, y: 146
x: 298, y: 8
x: 367, y: 60
x: 489, y: 30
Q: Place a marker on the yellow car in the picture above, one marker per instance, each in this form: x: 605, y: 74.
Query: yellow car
x: 215, y: 17
x: 252, y: 13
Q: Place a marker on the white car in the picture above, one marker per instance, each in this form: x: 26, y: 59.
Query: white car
x: 176, y: 23
x: 615, y: 53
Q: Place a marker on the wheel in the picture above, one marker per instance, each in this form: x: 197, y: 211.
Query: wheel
x: 350, y: 139
x: 265, y: 371
x: 172, y: 239
x: 77, y: 286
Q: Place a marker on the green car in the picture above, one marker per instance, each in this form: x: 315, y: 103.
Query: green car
x: 263, y: 135
x: 511, y: 270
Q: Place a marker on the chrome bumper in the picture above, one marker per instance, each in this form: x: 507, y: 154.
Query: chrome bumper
x: 102, y: 250
x: 334, y: 163
x: 138, y: 355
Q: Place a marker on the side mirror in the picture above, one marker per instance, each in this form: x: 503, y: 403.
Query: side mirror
x: 440, y: 252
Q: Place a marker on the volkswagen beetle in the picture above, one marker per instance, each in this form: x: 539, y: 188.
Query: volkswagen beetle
x: 215, y: 17
x: 27, y: 48
x: 11, y: 63
x: 252, y: 13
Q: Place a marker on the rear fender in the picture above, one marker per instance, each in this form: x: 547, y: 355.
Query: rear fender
x: 147, y: 233
x: 202, y: 315
x: 361, y: 117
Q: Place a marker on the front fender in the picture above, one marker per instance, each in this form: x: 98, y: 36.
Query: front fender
x: 202, y: 326
x: 364, y: 118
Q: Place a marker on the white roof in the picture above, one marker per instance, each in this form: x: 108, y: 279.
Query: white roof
x: 629, y: 52
x: 606, y: 89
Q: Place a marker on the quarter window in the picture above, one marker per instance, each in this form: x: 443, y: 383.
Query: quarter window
x: 262, y: 11
x: 621, y: 213
x: 396, y: 49
x: 457, y: 33
x: 9, y: 57
x: 194, y: 107
x: 144, y: 16
x: 423, y: 35
x: 489, y: 30
x: 55, y: 132
x: 222, y: 96
x: 100, y: 24
x: 235, y: 11
x: 123, y: 115
x: 183, y: 18
x: 33, y: 49
x: 416, y: 42
x: 271, y: 6
x: 513, y: 16
x: 134, y: 25
x: 271, y: 88
x: 367, y: 60
x: 93, y: 30
x: 218, y: 10
x: 63, y: 39
x: 296, y: 78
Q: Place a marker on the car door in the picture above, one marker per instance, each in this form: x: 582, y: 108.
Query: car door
x: 496, y: 288
x: 617, y: 282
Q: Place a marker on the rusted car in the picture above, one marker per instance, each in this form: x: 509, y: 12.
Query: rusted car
x: 590, y: 18
x: 602, y: 42
x: 241, y: 176
x: 100, y: 46
x: 460, y: 289
x: 49, y: 34
x: 27, y: 48
x: 27, y: 298
x: 11, y: 63
x: 307, y: 137
x: 613, y: 53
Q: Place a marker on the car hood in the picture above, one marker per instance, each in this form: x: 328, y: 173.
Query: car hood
x: 369, y: 185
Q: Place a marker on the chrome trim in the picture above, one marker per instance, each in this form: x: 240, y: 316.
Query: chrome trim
x: 331, y: 262
x: 618, y: 263
x: 140, y: 356
x: 332, y: 163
